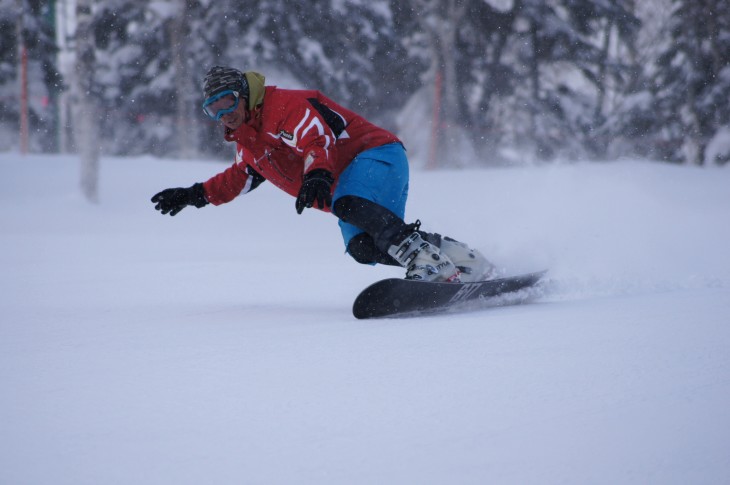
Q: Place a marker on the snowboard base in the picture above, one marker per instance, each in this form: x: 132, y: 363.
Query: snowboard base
x: 396, y: 297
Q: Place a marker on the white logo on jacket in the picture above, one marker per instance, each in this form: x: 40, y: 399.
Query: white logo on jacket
x: 308, y: 161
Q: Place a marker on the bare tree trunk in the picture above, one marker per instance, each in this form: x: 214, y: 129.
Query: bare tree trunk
x: 694, y: 143
x: 602, y: 72
x: 86, y: 109
x: 599, y: 144
x: 534, y: 80
x: 452, y: 138
x: 187, y: 129
x: 22, y: 80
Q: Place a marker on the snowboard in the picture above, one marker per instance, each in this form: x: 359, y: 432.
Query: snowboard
x: 396, y: 297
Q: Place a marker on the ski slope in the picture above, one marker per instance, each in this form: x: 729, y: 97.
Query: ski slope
x: 218, y: 346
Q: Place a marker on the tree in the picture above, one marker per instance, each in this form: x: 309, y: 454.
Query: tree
x: 440, y: 21
x: 36, y: 29
x: 86, y: 114
x: 692, y: 82
x: 532, y: 73
x: 348, y: 49
x: 569, y: 77
x: 570, y: 65
x: 153, y: 55
x: 135, y: 76
x: 186, y: 127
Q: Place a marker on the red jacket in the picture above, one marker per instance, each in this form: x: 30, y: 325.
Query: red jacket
x: 290, y: 134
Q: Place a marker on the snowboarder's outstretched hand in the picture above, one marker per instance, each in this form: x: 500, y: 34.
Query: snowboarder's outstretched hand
x: 172, y: 201
x: 317, y: 187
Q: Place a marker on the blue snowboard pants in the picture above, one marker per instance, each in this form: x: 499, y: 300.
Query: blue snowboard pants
x: 380, y: 175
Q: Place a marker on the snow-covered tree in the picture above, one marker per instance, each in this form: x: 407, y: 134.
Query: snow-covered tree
x: 565, y: 61
x: 153, y: 55
x: 578, y: 77
x: 135, y: 73
x: 31, y: 19
x: 693, y: 80
x: 532, y: 73
x: 347, y: 48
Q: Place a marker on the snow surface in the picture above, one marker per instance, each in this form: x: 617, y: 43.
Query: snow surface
x: 218, y: 346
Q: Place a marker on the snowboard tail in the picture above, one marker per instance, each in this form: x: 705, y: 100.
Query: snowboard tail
x: 400, y: 297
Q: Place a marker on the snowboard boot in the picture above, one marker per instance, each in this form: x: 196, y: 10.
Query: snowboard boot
x: 422, y: 260
x: 472, y: 264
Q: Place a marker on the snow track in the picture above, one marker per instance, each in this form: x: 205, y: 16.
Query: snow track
x: 218, y: 346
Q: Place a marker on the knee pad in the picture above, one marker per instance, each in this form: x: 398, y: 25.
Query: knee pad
x: 362, y: 249
x: 377, y: 221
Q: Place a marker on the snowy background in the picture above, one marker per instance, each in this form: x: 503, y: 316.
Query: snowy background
x: 218, y: 346
x: 584, y: 80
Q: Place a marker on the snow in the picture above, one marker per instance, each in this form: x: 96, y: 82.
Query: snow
x: 719, y: 146
x: 501, y: 5
x: 218, y: 346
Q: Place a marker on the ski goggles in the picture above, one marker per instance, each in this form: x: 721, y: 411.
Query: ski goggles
x: 221, y: 104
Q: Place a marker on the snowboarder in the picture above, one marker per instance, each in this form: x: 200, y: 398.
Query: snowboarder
x: 327, y: 157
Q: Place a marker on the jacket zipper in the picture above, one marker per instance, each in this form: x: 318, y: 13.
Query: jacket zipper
x: 267, y: 155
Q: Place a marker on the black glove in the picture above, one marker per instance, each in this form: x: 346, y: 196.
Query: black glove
x: 317, y: 187
x: 173, y: 201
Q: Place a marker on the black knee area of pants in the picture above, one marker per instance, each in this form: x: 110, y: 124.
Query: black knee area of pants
x: 362, y: 248
x: 381, y: 224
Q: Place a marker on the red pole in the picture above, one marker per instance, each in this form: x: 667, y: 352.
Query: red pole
x: 435, y: 121
x: 23, y: 100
